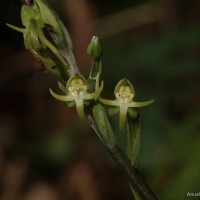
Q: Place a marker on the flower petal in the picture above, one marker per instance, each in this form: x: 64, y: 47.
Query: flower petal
x: 48, y: 44
x: 80, y: 108
x: 22, y: 30
x: 61, y: 97
x: 109, y: 102
x: 90, y: 96
x: 95, y: 95
x: 140, y: 104
x: 99, y: 90
x: 122, y: 115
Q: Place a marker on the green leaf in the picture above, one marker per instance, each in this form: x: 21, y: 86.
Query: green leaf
x: 103, y: 124
x: 133, y: 140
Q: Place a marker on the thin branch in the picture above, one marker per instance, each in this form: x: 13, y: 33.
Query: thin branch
x: 132, y: 173
x: 122, y: 160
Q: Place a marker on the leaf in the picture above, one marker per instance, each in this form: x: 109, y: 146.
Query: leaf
x: 133, y: 140
x: 103, y: 124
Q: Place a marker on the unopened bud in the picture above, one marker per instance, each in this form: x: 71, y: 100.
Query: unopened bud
x: 94, y: 48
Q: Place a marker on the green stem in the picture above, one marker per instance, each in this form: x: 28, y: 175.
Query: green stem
x: 132, y: 173
x: 101, y: 125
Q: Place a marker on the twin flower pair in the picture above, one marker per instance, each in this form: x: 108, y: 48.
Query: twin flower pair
x: 77, y: 95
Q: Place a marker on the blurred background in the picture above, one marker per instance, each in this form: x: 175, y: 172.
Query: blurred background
x: 47, y: 153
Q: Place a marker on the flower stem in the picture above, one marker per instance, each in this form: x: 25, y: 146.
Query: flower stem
x: 132, y: 173
x: 101, y: 126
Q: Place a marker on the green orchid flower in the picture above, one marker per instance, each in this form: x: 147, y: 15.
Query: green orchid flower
x: 47, y: 38
x: 124, y: 93
x: 34, y: 37
x: 77, y: 93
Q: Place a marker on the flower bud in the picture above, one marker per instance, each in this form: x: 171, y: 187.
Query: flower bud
x: 94, y: 48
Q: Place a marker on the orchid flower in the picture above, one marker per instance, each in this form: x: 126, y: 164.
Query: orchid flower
x: 77, y: 93
x: 46, y: 37
x: 124, y: 93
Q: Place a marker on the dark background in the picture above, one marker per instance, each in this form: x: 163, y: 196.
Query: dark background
x: 47, y: 153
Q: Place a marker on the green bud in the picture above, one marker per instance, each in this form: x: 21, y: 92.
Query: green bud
x: 94, y: 48
x: 29, y: 13
x: 31, y: 39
